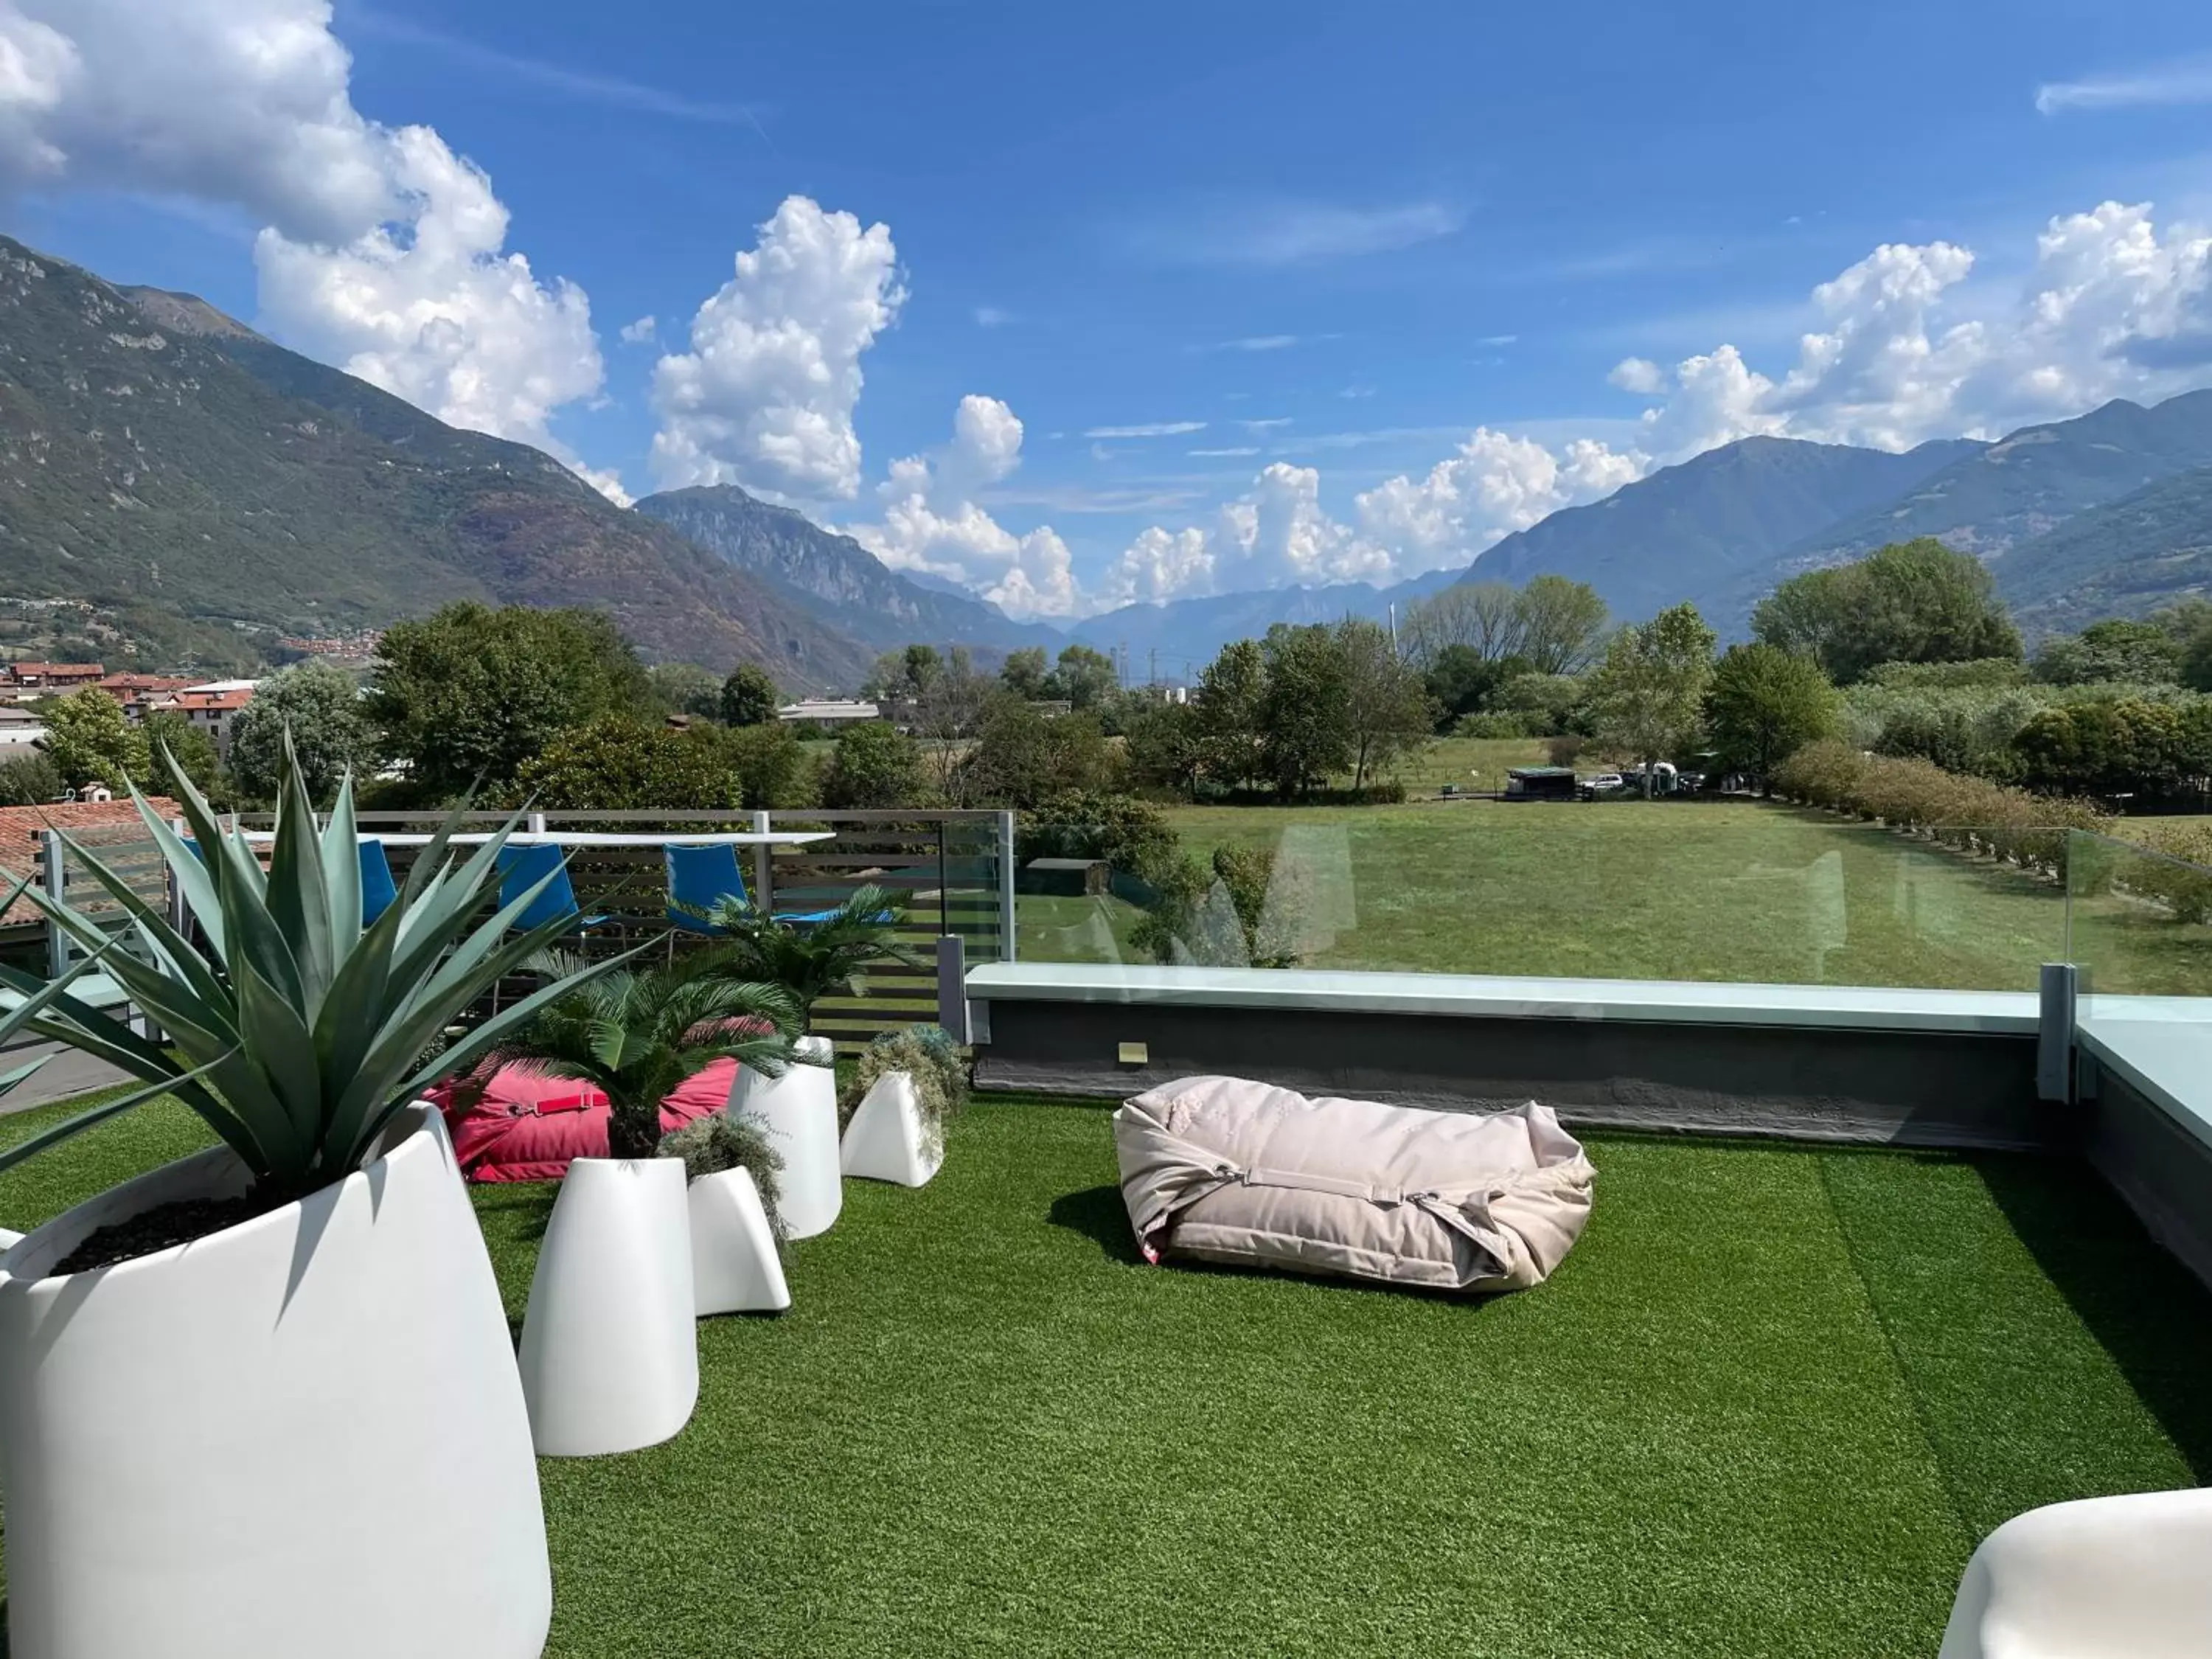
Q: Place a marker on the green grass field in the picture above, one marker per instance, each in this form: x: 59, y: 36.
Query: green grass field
x: 1713, y: 891
x: 1768, y: 1406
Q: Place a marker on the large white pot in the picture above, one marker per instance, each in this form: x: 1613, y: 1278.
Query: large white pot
x: 889, y: 1138
x: 304, y: 1434
x: 800, y: 1112
x: 609, y: 1348
x: 734, y: 1266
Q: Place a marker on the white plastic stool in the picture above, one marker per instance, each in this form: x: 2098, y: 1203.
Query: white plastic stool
x: 887, y: 1138
x: 734, y: 1266
x: 799, y: 1111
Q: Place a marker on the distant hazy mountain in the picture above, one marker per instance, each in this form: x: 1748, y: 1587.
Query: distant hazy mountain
x: 837, y: 578
x: 2130, y: 558
x: 1178, y: 639
x: 157, y: 454
x: 1690, y: 531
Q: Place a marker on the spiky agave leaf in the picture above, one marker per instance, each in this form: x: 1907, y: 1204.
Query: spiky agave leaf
x: 298, y: 1032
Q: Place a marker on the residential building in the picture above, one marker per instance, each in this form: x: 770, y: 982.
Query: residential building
x: 829, y: 711
x: 19, y: 729
x: 49, y: 679
x: 210, y: 707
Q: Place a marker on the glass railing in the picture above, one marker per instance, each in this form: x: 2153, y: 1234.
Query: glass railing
x: 2138, y: 921
x: 1740, y: 891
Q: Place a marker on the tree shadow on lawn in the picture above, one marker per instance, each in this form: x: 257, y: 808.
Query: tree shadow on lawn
x: 2144, y: 1308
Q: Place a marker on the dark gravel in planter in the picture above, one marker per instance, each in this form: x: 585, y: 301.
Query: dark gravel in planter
x: 159, y: 1228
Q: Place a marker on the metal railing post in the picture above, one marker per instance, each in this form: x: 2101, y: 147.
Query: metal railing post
x: 952, y: 987
x: 1006, y: 948
x: 763, y: 865
x: 2054, y: 1033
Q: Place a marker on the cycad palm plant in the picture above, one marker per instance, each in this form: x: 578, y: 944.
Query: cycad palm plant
x: 636, y: 1034
x: 809, y: 959
x: 298, y: 1032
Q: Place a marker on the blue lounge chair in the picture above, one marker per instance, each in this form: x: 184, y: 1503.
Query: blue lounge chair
x: 699, y: 877
x: 379, y: 892
x: 521, y: 868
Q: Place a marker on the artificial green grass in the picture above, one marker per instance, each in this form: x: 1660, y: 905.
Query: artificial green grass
x: 1767, y: 1407
x: 1735, y: 891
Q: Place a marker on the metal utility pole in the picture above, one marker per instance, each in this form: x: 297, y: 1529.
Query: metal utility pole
x: 1152, y: 674
x: 1394, y: 628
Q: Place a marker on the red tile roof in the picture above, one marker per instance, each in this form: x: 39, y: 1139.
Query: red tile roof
x: 91, y: 822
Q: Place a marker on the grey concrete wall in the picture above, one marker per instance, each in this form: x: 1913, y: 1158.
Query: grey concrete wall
x: 1910, y: 1088
x: 2163, y: 1171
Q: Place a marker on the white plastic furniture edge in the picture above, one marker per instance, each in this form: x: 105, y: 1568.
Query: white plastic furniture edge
x: 887, y: 1138
x: 799, y: 1112
x: 207, y: 1447
x: 2102, y: 1578
x: 610, y: 1353
x: 1507, y: 997
x: 734, y: 1266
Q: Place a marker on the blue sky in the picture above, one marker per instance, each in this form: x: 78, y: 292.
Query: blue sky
x: 1338, y: 285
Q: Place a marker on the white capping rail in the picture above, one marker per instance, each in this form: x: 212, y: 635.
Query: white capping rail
x: 2161, y: 1046
x: 1848, y: 1007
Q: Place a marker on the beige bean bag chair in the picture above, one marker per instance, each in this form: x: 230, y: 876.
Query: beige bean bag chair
x: 1224, y: 1169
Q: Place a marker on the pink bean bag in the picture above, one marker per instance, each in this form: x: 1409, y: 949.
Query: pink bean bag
x: 518, y: 1126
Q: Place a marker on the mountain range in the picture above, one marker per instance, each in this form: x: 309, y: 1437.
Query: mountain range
x: 202, y: 485
x: 158, y: 456
x: 836, y: 578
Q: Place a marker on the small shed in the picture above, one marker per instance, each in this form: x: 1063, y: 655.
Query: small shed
x: 1539, y: 783
x: 1065, y: 877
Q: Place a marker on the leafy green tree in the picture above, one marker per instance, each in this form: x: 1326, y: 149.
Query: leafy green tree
x: 2117, y: 746
x: 323, y: 708
x: 1226, y: 721
x: 772, y: 767
x: 2137, y: 653
x: 749, y: 697
x: 684, y: 688
x: 1084, y: 678
x: 28, y: 778
x: 1560, y: 623
x: 1160, y: 741
x: 620, y: 764
x: 1306, y: 729
x: 467, y: 695
x: 1025, y: 673
x: 875, y: 765
x: 1648, y: 695
x: 189, y: 750
x: 1765, y: 704
x: 1386, y: 703
x: 1915, y: 601
x: 89, y: 741
x: 1023, y: 756
x: 1483, y: 619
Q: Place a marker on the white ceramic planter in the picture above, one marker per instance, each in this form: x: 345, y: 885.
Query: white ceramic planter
x: 2099, y: 1578
x: 610, y: 1349
x: 734, y: 1266
x: 888, y: 1139
x: 800, y: 1109
x: 304, y: 1434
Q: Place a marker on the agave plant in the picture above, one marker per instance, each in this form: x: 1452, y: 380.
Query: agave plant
x: 298, y: 1032
x: 636, y: 1034
x: 810, y: 958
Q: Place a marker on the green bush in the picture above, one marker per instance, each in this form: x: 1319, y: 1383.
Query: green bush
x: 1965, y: 813
x: 929, y: 1055
x: 1130, y: 834
x: 720, y: 1141
x: 1505, y: 724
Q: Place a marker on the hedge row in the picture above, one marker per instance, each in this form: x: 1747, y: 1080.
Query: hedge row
x: 1972, y: 815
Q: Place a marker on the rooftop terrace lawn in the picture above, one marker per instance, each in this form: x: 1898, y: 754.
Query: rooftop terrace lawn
x: 1730, y: 890
x: 1767, y: 1407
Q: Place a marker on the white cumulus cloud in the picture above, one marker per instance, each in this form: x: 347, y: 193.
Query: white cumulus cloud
x: 1496, y: 484
x: 765, y: 396
x: 381, y: 251
x: 930, y: 521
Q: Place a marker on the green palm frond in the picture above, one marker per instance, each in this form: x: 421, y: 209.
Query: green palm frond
x: 811, y: 959
x: 636, y: 1034
x: 297, y: 1031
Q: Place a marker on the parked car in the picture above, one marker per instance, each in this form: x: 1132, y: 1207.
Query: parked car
x: 1605, y: 783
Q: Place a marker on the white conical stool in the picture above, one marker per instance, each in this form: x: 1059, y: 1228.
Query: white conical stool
x: 734, y: 1266
x: 799, y: 1111
x: 888, y: 1139
x: 610, y: 1352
